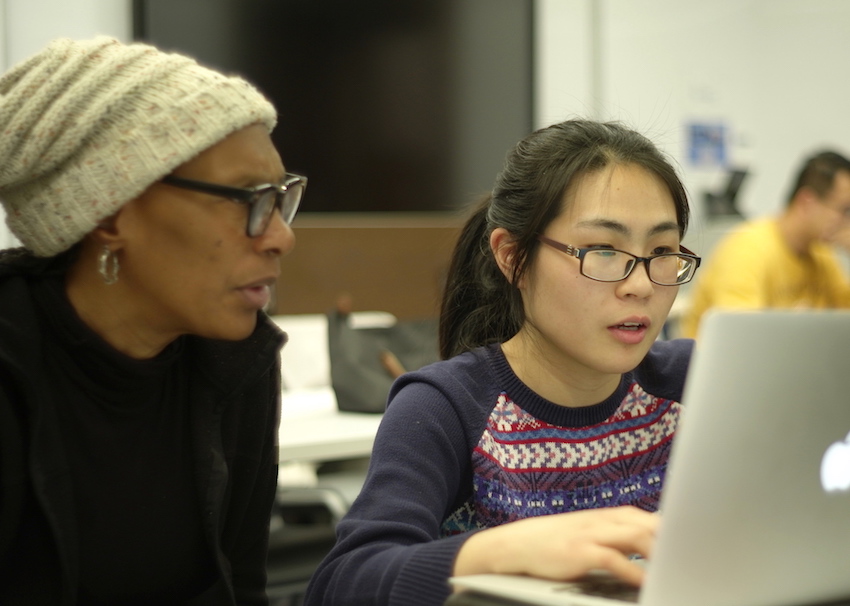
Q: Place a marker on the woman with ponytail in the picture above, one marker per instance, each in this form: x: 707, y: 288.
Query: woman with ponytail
x: 539, y: 445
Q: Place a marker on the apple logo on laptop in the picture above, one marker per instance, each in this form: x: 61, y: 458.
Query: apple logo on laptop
x: 835, y: 467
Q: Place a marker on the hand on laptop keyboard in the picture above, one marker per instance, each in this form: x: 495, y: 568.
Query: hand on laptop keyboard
x: 564, y: 546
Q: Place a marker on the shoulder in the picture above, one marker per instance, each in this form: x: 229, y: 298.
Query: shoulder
x: 19, y: 323
x: 824, y: 255
x: 668, y: 357
x: 22, y: 369
x: 664, y: 369
x: 461, y: 389
x: 755, y: 233
x: 471, y: 369
x: 760, y: 242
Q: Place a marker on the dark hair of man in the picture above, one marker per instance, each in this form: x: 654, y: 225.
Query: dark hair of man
x: 480, y: 305
x: 818, y: 173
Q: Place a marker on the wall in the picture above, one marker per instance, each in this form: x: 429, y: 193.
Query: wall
x: 386, y: 262
x: 396, y: 264
x: 767, y: 70
x: 30, y: 24
x: 3, y: 62
x: 27, y: 25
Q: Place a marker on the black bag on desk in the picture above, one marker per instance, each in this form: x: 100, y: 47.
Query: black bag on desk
x: 359, y: 379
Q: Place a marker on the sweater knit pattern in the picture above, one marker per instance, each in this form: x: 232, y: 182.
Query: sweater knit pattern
x: 525, y: 467
x: 465, y: 444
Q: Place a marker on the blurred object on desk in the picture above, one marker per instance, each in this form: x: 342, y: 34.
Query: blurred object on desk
x: 366, y: 359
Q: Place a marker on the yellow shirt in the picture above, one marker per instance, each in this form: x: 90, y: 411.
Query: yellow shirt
x: 753, y: 268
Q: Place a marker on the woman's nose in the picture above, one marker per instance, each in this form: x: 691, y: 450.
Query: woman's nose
x: 278, y: 239
x: 637, y: 283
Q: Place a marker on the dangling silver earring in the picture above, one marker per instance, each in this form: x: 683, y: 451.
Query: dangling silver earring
x: 107, y: 265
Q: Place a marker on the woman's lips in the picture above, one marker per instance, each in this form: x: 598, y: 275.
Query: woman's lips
x: 630, y: 332
x: 257, y: 295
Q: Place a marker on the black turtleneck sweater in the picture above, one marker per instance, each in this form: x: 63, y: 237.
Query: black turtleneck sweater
x: 125, y: 427
x: 129, y: 481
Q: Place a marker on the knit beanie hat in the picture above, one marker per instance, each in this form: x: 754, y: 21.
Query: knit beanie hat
x: 85, y: 127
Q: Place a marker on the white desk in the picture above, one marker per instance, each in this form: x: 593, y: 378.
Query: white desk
x: 313, y: 430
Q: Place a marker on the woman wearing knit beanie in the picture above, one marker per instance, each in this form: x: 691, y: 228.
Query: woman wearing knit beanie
x: 139, y: 374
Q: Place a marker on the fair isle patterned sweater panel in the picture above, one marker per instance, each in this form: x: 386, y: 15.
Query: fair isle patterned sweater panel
x: 524, y: 467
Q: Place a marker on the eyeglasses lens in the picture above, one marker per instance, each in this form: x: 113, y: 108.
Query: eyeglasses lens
x: 666, y: 270
x: 612, y: 266
x: 291, y: 201
x: 261, y: 211
x: 607, y: 265
x: 266, y: 202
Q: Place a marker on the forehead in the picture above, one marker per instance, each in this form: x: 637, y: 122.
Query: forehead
x: 840, y: 191
x: 625, y: 192
x: 245, y: 155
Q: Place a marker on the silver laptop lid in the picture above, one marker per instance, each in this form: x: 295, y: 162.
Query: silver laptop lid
x: 748, y: 517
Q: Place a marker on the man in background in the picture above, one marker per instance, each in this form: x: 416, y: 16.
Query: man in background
x: 787, y: 261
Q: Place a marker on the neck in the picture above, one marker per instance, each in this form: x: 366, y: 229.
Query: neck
x: 112, y: 311
x: 793, y: 231
x: 567, y: 383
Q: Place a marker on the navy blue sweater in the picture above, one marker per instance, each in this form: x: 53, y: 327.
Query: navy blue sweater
x: 464, y: 445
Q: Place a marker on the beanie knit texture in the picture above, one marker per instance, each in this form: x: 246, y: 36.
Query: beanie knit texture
x: 87, y: 126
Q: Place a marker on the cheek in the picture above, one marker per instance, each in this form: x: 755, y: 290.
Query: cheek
x: 664, y: 303
x: 561, y: 297
x: 196, y: 241
x: 190, y: 266
x: 214, y: 252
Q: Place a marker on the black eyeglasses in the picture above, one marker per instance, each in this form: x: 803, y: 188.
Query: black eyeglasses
x: 612, y: 265
x: 262, y: 200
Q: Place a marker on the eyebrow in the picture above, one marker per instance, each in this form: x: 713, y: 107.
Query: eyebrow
x: 256, y: 181
x: 624, y: 229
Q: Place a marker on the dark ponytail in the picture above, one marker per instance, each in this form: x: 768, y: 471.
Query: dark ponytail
x: 478, y: 301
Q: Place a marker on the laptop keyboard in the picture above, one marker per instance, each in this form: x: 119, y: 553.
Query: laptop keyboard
x: 604, y: 586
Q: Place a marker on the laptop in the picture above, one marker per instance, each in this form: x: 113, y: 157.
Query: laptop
x: 756, y: 504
